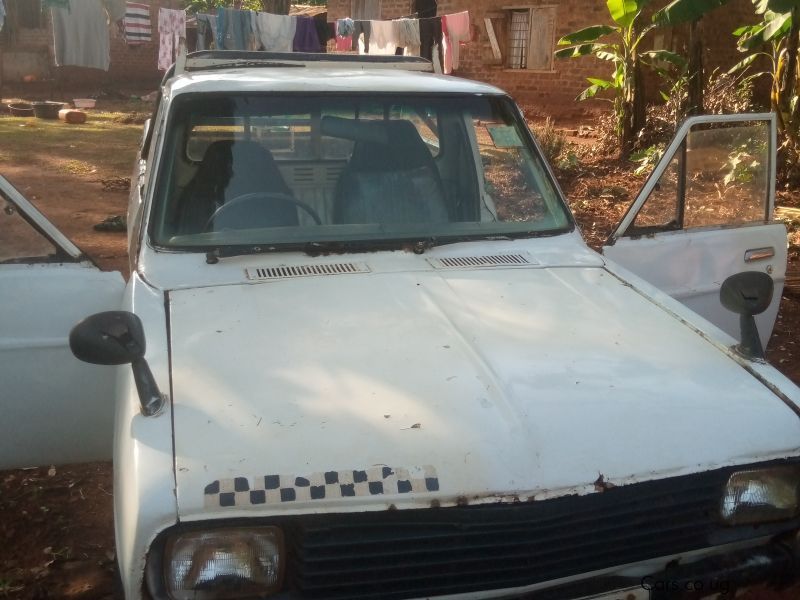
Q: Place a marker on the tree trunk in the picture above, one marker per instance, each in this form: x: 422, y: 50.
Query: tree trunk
x: 695, y: 104
x: 639, y: 101
x: 628, y: 136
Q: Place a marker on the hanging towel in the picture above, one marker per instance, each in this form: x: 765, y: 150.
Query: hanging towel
x: 360, y: 27
x: 383, y: 37
x: 276, y: 32
x: 171, y: 28
x: 408, y: 36
x: 455, y: 31
x: 80, y: 35
x: 305, y: 37
x: 136, y: 24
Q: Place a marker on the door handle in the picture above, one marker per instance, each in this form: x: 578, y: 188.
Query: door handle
x: 755, y: 254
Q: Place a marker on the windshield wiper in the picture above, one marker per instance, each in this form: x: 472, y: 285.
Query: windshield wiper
x: 213, y: 255
x: 415, y: 245
x: 235, y: 64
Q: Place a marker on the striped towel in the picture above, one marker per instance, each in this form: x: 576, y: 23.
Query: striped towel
x: 137, y: 23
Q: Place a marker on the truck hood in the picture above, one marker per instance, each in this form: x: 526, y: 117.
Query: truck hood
x: 379, y: 390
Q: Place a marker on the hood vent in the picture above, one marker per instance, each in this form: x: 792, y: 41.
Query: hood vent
x: 480, y: 262
x: 290, y: 272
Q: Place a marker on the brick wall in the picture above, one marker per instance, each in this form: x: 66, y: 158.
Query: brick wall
x: 555, y: 92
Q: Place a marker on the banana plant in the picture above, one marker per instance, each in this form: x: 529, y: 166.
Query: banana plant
x: 690, y: 11
x: 618, y: 44
x: 777, y: 37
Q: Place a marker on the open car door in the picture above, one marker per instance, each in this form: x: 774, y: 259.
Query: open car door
x: 706, y: 214
x: 55, y: 409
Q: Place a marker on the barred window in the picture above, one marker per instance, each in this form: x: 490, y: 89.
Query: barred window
x: 519, y: 38
x: 522, y: 37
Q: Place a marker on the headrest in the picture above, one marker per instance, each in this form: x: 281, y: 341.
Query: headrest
x: 355, y: 129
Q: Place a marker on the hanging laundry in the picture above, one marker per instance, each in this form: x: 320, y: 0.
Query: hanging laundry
x: 171, y: 28
x: 323, y: 31
x: 344, y: 35
x: 80, y: 35
x: 345, y: 27
x: 408, y: 36
x: 276, y: 32
x: 233, y: 29
x: 455, y: 31
x: 206, y: 31
x: 2, y: 14
x: 359, y: 28
x: 253, y: 41
x: 430, y: 34
x: 383, y: 37
x: 136, y: 24
x: 305, y: 37
x: 425, y: 8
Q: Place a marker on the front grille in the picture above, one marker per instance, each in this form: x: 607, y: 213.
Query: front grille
x: 437, y: 551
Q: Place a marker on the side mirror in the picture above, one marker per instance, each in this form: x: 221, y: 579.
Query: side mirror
x: 108, y: 338
x: 117, y: 338
x: 748, y: 294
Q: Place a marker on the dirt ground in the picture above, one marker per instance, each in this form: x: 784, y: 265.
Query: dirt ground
x: 56, y: 524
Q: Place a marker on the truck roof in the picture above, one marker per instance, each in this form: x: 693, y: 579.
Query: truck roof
x: 292, y: 79
x: 229, y: 71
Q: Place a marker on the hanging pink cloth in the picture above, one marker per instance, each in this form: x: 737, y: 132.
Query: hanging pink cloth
x: 171, y: 28
x: 344, y: 44
x: 455, y: 31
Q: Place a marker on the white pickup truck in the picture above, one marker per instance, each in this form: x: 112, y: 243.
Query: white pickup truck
x: 372, y: 357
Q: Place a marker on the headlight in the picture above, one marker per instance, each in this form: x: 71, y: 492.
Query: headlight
x: 227, y: 563
x: 761, y: 495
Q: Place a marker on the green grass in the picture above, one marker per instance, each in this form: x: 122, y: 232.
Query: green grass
x: 102, y: 143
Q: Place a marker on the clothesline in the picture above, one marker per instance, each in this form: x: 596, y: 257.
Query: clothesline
x: 435, y: 38
x: 82, y: 37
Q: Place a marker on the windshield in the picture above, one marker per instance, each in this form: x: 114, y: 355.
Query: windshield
x: 285, y: 170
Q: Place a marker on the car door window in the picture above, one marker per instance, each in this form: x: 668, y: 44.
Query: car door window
x: 20, y: 242
x: 705, y: 215
x: 718, y: 176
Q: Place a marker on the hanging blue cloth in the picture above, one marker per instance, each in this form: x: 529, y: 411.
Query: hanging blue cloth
x: 234, y: 26
x: 220, y: 28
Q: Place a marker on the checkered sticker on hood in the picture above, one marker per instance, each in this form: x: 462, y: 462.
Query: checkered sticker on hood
x: 277, y: 489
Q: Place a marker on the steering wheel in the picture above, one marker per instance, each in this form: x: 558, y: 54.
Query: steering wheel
x: 244, y: 202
